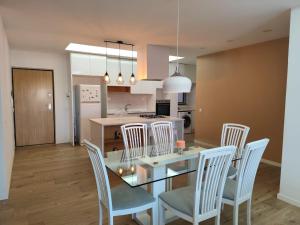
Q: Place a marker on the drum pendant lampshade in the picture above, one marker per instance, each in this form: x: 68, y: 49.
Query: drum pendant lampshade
x: 177, y: 83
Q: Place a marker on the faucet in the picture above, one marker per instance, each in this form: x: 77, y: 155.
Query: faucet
x: 126, y: 107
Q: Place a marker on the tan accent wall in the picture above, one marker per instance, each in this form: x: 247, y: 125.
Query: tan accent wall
x: 245, y: 85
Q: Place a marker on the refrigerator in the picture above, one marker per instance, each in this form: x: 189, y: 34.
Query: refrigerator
x: 87, y: 106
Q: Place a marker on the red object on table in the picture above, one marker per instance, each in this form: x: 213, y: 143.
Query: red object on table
x: 180, y: 144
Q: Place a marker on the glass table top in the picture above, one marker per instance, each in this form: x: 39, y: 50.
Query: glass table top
x: 138, y: 172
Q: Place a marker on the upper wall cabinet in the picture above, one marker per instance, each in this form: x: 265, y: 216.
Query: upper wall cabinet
x: 95, y: 65
x: 83, y: 64
x: 80, y: 64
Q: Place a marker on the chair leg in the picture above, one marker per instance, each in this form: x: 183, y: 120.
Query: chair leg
x: 236, y: 214
x: 169, y: 184
x: 133, y: 216
x: 217, y: 219
x: 161, y: 214
x: 111, y: 220
x: 100, y: 214
x: 249, y: 203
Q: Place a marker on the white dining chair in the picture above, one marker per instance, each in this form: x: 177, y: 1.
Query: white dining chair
x: 135, y: 141
x: 163, y: 137
x: 234, y: 134
x: 202, y: 200
x: 120, y: 200
x: 240, y: 189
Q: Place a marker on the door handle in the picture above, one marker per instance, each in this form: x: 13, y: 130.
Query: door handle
x: 49, y: 106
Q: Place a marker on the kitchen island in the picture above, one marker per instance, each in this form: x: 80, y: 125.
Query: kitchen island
x: 99, y: 127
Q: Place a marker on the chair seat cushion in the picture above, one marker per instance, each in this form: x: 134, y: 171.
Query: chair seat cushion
x: 182, y: 199
x: 229, y: 189
x: 232, y: 172
x: 125, y: 197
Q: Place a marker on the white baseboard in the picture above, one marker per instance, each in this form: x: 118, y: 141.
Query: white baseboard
x: 270, y: 162
x: 287, y: 199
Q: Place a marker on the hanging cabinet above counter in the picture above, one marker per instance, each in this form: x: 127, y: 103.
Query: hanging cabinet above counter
x: 94, y: 65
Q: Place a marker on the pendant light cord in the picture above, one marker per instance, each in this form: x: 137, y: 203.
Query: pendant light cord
x: 177, y: 65
x: 119, y: 58
x: 132, y: 59
x: 106, y: 56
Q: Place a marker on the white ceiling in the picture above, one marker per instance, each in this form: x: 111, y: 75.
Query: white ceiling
x: 206, y: 25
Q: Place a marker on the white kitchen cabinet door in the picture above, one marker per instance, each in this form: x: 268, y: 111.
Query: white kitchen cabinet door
x: 97, y: 65
x: 80, y: 64
x: 126, y: 69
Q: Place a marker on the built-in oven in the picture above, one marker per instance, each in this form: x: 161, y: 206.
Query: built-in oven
x: 163, y: 107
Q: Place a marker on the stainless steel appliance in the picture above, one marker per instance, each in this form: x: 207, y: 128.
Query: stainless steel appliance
x: 163, y: 107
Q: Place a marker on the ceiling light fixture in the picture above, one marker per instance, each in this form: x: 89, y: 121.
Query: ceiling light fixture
x: 132, y: 79
x: 120, y: 79
x: 106, y: 76
x: 177, y: 83
x: 74, y: 47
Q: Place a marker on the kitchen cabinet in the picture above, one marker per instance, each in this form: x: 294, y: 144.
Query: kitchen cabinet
x: 97, y: 65
x: 80, y: 64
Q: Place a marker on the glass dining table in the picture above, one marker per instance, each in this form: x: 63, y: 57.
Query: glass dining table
x: 154, y: 171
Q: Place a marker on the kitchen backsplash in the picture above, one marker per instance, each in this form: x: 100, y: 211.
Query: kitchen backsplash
x: 138, y: 103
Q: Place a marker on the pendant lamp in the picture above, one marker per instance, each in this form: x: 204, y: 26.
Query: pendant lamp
x: 120, y: 79
x: 132, y: 79
x: 177, y: 83
x: 106, y: 76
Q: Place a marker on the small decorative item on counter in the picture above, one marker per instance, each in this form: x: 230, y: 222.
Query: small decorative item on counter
x: 120, y: 170
x: 180, y: 145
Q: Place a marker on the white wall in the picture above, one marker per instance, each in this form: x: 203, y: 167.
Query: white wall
x: 7, y: 144
x: 290, y: 178
x: 60, y: 64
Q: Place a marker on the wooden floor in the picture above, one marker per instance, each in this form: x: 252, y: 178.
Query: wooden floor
x: 54, y: 185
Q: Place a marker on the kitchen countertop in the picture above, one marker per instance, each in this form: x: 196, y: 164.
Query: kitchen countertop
x: 114, y: 121
x: 183, y: 108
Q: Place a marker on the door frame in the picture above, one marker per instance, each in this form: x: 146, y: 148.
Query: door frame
x: 53, y: 98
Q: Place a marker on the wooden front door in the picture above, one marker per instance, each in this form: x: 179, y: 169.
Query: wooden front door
x: 34, y: 106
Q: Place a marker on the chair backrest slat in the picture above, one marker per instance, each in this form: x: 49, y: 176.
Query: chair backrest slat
x: 163, y: 137
x: 135, y: 140
x: 210, y: 179
x: 100, y: 172
x: 248, y: 168
x: 234, y: 134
